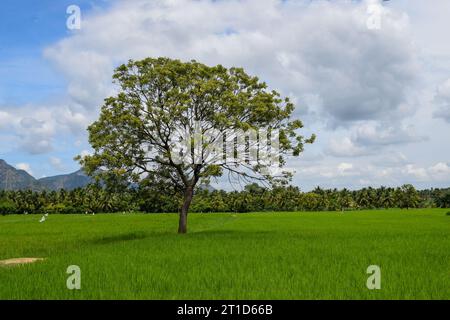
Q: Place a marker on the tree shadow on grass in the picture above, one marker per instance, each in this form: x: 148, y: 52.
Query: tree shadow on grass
x: 208, y: 234
x: 121, y: 238
x: 242, y: 233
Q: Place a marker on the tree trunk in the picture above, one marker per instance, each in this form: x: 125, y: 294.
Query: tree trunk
x: 182, y: 226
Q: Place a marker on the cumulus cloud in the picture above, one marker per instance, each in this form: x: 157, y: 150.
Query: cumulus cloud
x: 37, y: 127
x: 416, y: 172
x: 440, y: 171
x: 442, y: 100
x: 383, y: 134
x: 328, y: 171
x: 36, y: 135
x: 369, y: 137
x: 308, y: 49
x: 346, y: 147
x: 437, y: 172
x: 390, y: 159
x: 344, y: 168
x: 319, y: 53
x: 357, y: 175
x: 5, y: 120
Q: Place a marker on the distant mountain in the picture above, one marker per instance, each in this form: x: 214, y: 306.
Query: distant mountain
x: 71, y: 181
x: 14, y: 179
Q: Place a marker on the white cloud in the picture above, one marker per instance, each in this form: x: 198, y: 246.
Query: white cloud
x: 344, y: 168
x: 37, y: 127
x: 368, y: 138
x: 440, y: 171
x: 383, y: 134
x: 25, y: 167
x: 57, y: 163
x: 440, y: 168
x: 5, y: 120
x: 357, y: 175
x: 390, y: 159
x: 35, y: 134
x: 329, y: 171
x: 321, y: 49
x: 345, y: 147
x: 416, y: 172
x: 85, y: 153
x: 442, y: 100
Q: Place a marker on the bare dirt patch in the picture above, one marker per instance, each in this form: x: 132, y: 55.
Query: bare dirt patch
x: 19, y: 261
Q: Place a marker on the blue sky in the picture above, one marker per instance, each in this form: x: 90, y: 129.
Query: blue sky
x: 378, y: 100
x: 27, y: 27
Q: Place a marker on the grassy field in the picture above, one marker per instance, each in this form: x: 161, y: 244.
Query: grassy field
x: 226, y: 256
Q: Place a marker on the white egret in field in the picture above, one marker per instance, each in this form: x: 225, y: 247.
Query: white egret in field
x: 42, y: 219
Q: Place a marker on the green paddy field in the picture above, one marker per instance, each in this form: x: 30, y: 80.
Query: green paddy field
x: 316, y: 255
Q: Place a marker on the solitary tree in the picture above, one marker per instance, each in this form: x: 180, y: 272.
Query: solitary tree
x: 178, y: 124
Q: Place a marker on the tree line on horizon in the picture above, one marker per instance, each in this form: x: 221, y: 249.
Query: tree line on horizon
x: 254, y: 198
